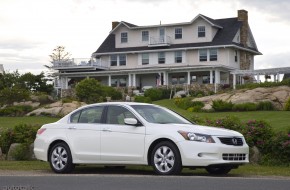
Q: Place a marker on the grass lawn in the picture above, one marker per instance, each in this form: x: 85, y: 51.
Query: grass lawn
x: 279, y: 120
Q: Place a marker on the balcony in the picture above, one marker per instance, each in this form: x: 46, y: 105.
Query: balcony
x: 159, y: 41
x: 80, y: 64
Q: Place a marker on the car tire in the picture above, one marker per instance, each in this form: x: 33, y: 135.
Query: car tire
x: 218, y: 170
x: 60, y: 158
x: 165, y: 159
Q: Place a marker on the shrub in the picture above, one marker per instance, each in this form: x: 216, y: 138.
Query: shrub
x: 228, y: 122
x: 258, y: 133
x: 154, y: 94
x: 91, y: 91
x: 15, y: 110
x: 21, y: 133
x: 21, y: 152
x: 14, y: 94
x: 287, y: 105
x: 188, y: 104
x: 220, y: 105
x: 265, y: 106
x: 143, y: 99
x: 245, y: 107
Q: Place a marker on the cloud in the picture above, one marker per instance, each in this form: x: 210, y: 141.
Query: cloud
x: 272, y: 60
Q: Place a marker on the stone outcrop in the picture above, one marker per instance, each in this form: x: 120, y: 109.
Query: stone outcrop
x: 276, y: 95
x: 57, y: 108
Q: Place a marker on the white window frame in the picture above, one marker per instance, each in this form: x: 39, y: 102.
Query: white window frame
x: 145, y: 59
x: 161, y: 58
x: 202, y: 55
x: 124, y: 37
x: 177, y: 56
x: 178, y: 33
x: 122, y: 62
x: 213, y: 54
x: 201, y: 31
x: 145, y: 36
x: 115, y: 61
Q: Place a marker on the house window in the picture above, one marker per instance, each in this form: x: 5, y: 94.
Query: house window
x: 122, y: 59
x: 145, y: 36
x: 124, y: 37
x: 202, y: 55
x: 178, y: 33
x: 236, y: 55
x: 161, y: 57
x: 193, y: 78
x: 201, y: 31
x: 205, y: 79
x: 113, y: 60
x: 213, y: 54
x: 145, y: 59
x: 178, y: 57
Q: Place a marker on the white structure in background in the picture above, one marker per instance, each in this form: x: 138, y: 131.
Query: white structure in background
x: 1, y: 69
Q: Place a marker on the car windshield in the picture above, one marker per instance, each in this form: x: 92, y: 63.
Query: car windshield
x: 154, y: 114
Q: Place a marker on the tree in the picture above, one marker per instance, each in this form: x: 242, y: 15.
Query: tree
x: 59, y: 54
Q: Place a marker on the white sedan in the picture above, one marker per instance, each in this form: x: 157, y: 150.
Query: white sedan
x: 126, y: 133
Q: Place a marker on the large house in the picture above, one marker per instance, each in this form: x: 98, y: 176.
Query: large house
x: 202, y: 51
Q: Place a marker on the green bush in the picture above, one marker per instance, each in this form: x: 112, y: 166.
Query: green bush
x: 287, y: 105
x: 15, y: 110
x: 21, y: 152
x: 265, y: 106
x: 142, y: 99
x: 245, y: 107
x: 259, y: 134
x: 14, y: 94
x: 91, y: 91
x: 154, y: 94
x: 228, y: 122
x: 220, y: 105
x: 21, y: 133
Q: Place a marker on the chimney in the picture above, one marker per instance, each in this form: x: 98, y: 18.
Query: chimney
x: 114, y: 24
x: 243, y: 17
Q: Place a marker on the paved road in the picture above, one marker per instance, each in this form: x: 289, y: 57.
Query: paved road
x: 49, y: 181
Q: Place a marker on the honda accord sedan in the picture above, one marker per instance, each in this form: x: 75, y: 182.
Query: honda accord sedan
x: 129, y: 133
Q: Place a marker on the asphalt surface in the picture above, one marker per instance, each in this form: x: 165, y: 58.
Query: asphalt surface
x: 39, y: 180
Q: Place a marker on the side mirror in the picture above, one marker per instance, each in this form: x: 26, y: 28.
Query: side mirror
x: 131, y: 121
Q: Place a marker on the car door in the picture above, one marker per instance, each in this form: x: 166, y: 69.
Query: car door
x: 121, y: 142
x: 84, y: 134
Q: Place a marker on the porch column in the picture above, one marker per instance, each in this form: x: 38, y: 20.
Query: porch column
x: 216, y: 80
x: 109, y: 80
x: 234, y: 81
x: 188, y: 77
x: 164, y: 78
x: 275, y: 77
x: 278, y: 77
x: 258, y: 78
x: 129, y: 80
x: 210, y: 77
x: 65, y: 84
x: 134, y: 80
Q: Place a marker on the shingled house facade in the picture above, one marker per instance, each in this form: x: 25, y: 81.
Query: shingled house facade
x: 202, y: 51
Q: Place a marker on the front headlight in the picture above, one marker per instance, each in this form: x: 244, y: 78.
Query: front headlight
x: 196, y: 137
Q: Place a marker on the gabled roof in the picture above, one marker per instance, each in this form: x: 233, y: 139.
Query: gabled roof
x: 227, y: 29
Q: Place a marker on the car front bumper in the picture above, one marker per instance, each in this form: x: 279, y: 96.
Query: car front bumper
x: 206, y: 154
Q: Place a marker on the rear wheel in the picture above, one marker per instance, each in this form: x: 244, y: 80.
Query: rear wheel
x: 165, y: 159
x: 60, y: 158
x: 218, y: 170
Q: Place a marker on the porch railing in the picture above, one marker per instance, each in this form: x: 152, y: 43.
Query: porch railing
x: 160, y: 41
x: 80, y: 62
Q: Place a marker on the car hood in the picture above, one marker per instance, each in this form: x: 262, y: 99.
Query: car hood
x: 213, y: 131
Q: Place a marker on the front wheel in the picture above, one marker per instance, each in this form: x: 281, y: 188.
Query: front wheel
x: 60, y: 158
x: 165, y: 159
x: 218, y: 170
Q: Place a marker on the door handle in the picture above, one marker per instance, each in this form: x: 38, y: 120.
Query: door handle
x: 107, y: 130
x: 72, y: 127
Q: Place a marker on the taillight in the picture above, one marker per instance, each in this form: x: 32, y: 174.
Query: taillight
x: 40, y: 131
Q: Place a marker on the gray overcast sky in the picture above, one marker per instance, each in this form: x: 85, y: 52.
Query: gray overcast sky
x: 31, y: 29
